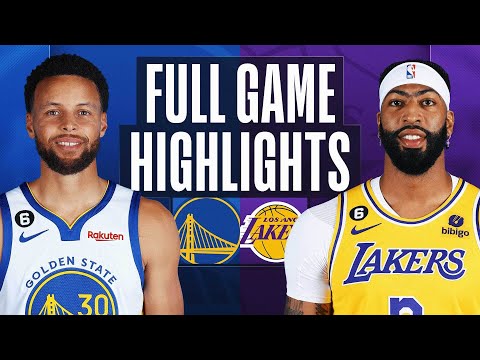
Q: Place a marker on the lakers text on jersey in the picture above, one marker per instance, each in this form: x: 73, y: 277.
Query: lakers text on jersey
x: 380, y: 263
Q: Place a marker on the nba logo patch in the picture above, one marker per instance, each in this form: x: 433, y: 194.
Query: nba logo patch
x: 411, y: 71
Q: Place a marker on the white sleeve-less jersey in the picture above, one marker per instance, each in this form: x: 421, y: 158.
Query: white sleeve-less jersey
x: 307, y: 249
x: 91, y: 267
x: 306, y: 254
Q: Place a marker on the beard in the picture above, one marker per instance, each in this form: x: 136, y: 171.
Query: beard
x: 414, y: 161
x: 68, y: 166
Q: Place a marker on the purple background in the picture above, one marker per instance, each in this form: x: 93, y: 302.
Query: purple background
x: 263, y: 292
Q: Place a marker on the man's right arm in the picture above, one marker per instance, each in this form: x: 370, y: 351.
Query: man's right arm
x: 299, y: 307
x: 306, y: 261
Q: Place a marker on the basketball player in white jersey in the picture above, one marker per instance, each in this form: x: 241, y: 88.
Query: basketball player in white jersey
x: 70, y: 241
x: 405, y: 242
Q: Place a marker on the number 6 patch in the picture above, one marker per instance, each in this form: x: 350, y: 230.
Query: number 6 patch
x: 24, y: 218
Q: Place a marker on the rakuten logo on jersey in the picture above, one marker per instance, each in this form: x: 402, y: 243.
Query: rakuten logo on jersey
x: 102, y: 236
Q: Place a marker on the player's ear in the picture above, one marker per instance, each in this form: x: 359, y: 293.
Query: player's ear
x: 29, y: 126
x: 450, y: 122
x: 103, y: 124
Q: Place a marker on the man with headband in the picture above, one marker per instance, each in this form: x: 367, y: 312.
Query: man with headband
x: 404, y: 242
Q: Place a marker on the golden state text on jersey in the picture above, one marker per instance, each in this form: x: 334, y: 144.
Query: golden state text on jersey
x: 380, y: 263
x: 90, y: 267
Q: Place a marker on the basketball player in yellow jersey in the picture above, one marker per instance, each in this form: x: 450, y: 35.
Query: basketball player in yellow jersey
x: 405, y: 242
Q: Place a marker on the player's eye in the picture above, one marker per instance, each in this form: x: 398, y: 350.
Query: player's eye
x: 428, y: 102
x: 396, y: 102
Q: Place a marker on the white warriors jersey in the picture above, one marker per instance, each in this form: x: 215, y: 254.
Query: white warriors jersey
x: 91, y: 267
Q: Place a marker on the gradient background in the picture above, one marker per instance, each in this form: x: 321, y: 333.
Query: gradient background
x: 237, y: 288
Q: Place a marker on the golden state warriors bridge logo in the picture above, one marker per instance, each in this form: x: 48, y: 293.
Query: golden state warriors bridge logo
x: 265, y: 231
x: 209, y: 230
x: 56, y: 295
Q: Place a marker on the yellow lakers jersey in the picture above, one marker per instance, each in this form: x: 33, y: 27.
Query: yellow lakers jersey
x: 380, y: 263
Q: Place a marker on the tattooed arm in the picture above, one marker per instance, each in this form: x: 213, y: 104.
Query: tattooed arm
x: 306, y: 261
x: 299, y: 307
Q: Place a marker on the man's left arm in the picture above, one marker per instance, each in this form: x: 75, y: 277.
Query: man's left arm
x: 160, y: 247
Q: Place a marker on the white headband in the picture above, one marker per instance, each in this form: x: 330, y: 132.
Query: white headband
x: 414, y: 73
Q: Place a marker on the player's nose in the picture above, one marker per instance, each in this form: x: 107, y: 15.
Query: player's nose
x: 412, y: 112
x: 69, y: 122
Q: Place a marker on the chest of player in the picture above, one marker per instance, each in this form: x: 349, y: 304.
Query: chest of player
x: 377, y: 255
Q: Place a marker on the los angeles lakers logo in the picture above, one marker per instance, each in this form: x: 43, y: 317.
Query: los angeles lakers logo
x: 265, y: 231
x: 209, y: 231
x: 49, y: 297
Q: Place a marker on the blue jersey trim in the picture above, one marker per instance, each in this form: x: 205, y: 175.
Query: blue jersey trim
x: 67, y: 233
x: 405, y: 221
x: 339, y: 230
x: 7, y: 237
x: 476, y: 216
x: 133, y: 231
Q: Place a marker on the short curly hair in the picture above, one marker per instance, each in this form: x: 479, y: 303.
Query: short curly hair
x: 66, y: 64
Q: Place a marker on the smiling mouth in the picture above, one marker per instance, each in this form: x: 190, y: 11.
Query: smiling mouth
x: 411, y: 141
x: 67, y: 143
x: 411, y: 137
